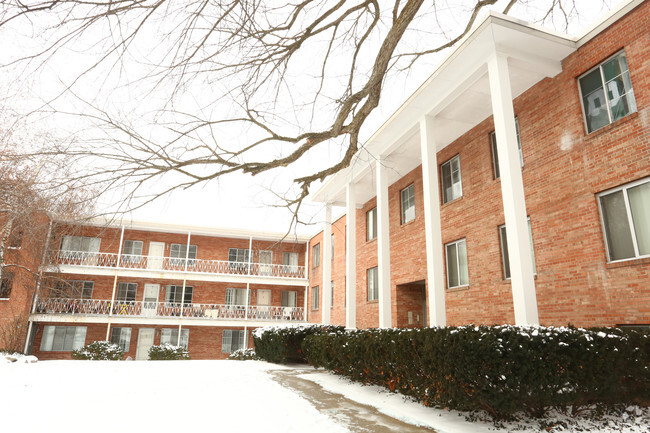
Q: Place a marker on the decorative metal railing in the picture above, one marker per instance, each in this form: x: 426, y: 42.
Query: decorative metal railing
x: 223, y: 267
x: 102, y: 307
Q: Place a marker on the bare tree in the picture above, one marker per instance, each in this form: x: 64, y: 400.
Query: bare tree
x: 236, y: 86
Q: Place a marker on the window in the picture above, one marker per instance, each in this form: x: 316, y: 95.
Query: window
x: 290, y: 262
x: 73, y: 290
x: 80, y: 243
x: 452, y: 187
x: 289, y: 298
x: 495, y: 154
x: 179, y: 252
x: 233, y: 340
x: 371, y: 223
x: 373, y: 284
x: 332, y: 246
x: 626, y: 219
x: 238, y: 258
x: 408, y: 205
x: 175, y: 293
x: 126, y: 292
x: 237, y: 297
x: 457, y: 273
x: 121, y: 337
x: 607, y: 93
x: 315, y: 298
x: 504, y: 250
x: 316, y: 255
x: 332, y: 295
x: 63, y: 338
x: 6, y: 284
x: 15, y: 239
x: 170, y: 336
x: 132, y: 252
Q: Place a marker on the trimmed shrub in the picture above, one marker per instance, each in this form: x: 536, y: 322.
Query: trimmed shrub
x: 501, y: 370
x: 99, y: 351
x: 168, y: 352
x: 244, y: 355
x: 283, y: 344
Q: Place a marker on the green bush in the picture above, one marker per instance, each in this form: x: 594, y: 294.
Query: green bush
x: 244, y: 355
x: 168, y: 352
x: 282, y: 344
x: 99, y: 351
x: 502, y: 370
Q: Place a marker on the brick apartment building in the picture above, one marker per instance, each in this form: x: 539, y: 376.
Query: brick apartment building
x: 512, y: 187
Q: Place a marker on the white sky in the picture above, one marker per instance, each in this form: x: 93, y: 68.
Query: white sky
x: 238, y: 201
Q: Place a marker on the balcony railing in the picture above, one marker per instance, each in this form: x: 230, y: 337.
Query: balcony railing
x: 102, y: 307
x: 223, y: 267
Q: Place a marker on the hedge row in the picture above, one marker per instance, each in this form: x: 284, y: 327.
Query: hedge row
x: 502, y: 370
x: 282, y: 344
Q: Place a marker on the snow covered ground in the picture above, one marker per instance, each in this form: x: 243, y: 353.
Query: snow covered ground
x: 201, y: 396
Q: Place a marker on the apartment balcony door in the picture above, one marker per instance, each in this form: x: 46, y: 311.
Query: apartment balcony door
x: 266, y: 262
x: 264, y: 303
x: 156, y: 253
x: 145, y: 341
x: 150, y: 299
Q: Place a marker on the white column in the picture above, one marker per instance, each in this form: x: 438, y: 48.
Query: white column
x: 383, y: 247
x: 117, y: 265
x: 351, y: 259
x: 326, y: 260
x: 432, y: 226
x: 512, y: 191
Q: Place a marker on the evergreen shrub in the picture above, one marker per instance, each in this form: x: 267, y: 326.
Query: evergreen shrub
x: 283, y: 344
x: 500, y: 369
x: 168, y: 352
x: 244, y: 355
x: 99, y: 351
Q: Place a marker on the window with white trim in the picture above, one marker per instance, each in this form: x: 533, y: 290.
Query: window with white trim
x: 126, y: 292
x: 407, y: 199
x: 371, y: 224
x: 504, y: 249
x: 495, y: 153
x: 373, y: 283
x: 457, y: 269
x: 237, y: 297
x: 315, y: 255
x: 315, y: 297
x: 290, y: 262
x: 452, y: 187
x: 607, y: 93
x: 170, y: 336
x: 73, y: 289
x: 178, y: 252
x: 174, y: 294
x: 121, y: 337
x: 63, y: 338
x: 625, y: 213
x: 132, y: 251
x: 289, y: 298
x: 80, y: 244
x: 332, y: 246
x: 332, y: 294
x: 232, y: 340
x: 238, y: 258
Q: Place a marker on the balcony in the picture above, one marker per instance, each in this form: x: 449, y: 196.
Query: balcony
x: 171, y: 264
x: 147, y: 309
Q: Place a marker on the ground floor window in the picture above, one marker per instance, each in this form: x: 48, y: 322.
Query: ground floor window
x: 315, y: 297
x: 63, y: 338
x: 373, y: 284
x: 504, y: 250
x: 457, y: 269
x: 233, y: 340
x: 121, y: 337
x: 170, y: 336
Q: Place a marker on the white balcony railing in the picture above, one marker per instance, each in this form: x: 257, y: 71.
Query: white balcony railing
x: 102, y: 307
x: 223, y: 267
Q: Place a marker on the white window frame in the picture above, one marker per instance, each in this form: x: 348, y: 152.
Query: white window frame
x: 122, y: 337
x: 315, y: 255
x: 315, y: 298
x: 332, y: 294
x: 504, y: 248
x: 457, y: 242
x: 372, y: 284
x: 74, y: 335
x: 175, y: 291
x: 227, y: 340
x: 407, y: 202
x: 83, y: 287
x: 177, y: 253
x: 628, y: 212
x: 233, y: 294
x: 495, y: 152
x: 290, y: 262
x: 289, y: 298
x: 446, y: 199
x: 132, y: 251
x: 127, y: 287
x: 170, y: 336
x: 630, y: 92
x: 371, y: 224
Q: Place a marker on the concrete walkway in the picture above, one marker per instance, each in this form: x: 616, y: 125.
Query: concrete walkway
x: 348, y: 413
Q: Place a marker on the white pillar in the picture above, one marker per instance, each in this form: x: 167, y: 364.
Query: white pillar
x: 512, y: 191
x: 326, y: 260
x: 432, y: 226
x: 383, y: 247
x: 351, y: 259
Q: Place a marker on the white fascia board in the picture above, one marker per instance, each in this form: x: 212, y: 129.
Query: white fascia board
x: 607, y: 20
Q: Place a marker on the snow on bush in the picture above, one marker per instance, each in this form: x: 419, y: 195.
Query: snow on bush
x: 99, y: 351
x: 244, y: 355
x: 168, y: 352
x: 9, y: 358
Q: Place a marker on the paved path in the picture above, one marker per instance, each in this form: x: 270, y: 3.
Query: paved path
x: 355, y: 416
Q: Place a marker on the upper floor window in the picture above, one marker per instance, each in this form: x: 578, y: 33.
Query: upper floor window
x: 332, y: 246
x: 316, y: 255
x: 371, y: 224
x: 238, y: 258
x: 132, y: 251
x: 237, y: 297
x: 495, y: 154
x: 179, y: 251
x: 607, y: 93
x: 74, y: 289
x: 626, y: 219
x: 289, y: 298
x: 80, y: 243
x: 452, y: 187
x: 457, y: 270
x: 373, y: 284
x: 408, y: 205
x: 6, y: 283
x: 504, y: 249
x: 290, y: 262
x: 315, y: 297
x: 175, y: 294
x: 126, y: 292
